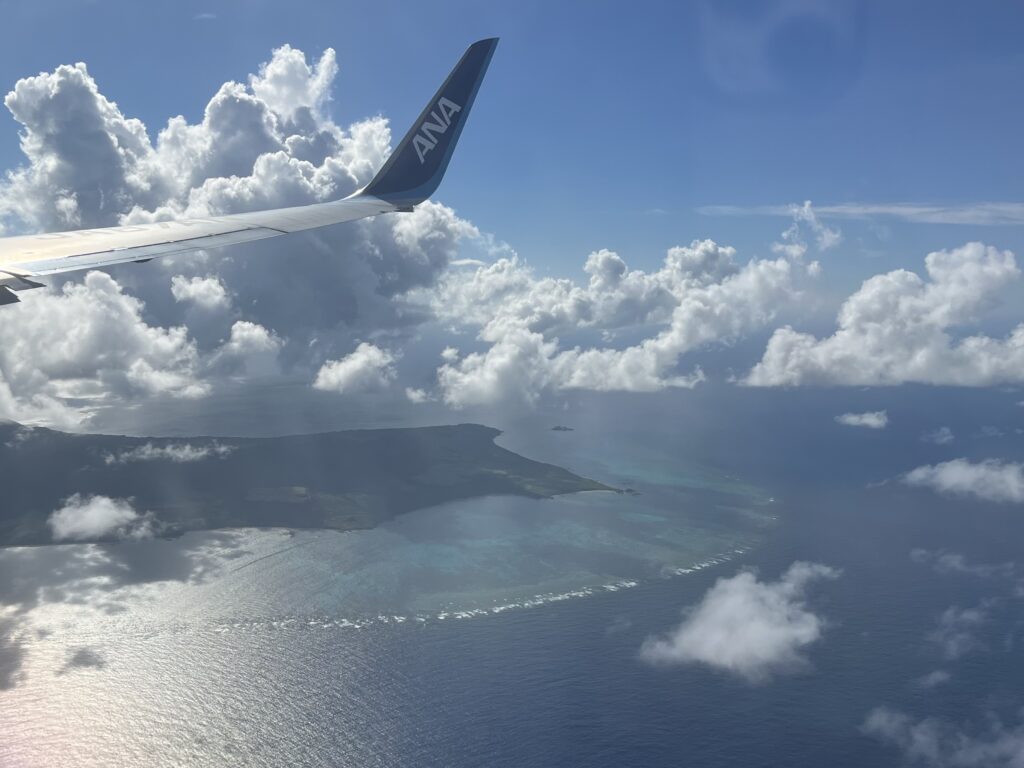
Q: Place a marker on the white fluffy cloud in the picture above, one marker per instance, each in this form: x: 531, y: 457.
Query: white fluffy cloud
x: 368, y: 368
x: 87, y: 161
x: 701, y: 295
x: 990, y: 480
x: 289, y: 84
x: 178, y: 453
x: 900, y: 328
x: 939, y: 744
x: 248, y: 339
x: 270, y: 141
x: 206, y: 292
x: 266, y: 143
x: 85, y: 518
x: 417, y: 395
x: 868, y: 420
x: 747, y: 627
x: 89, y: 342
x: 64, y: 354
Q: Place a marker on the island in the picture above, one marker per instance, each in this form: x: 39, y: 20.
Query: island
x: 344, y: 480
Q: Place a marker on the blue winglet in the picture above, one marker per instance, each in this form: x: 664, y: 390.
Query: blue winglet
x: 416, y: 167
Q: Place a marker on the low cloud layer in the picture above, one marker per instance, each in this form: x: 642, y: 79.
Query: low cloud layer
x: 989, y: 480
x: 90, y: 340
x: 701, y: 295
x: 952, y: 562
x: 940, y: 744
x: 178, y: 453
x: 87, y: 518
x: 868, y: 420
x: 898, y: 328
x: 91, y: 343
x: 957, y: 633
x: 747, y: 627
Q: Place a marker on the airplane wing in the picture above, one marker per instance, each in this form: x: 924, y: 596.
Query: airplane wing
x: 410, y: 176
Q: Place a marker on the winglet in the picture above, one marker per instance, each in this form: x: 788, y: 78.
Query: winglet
x: 416, y: 167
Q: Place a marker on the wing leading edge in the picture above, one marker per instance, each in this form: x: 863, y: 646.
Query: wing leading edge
x: 410, y: 176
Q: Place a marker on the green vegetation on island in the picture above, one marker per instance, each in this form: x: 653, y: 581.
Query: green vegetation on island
x: 339, y: 480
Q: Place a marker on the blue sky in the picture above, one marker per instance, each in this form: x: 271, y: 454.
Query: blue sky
x: 603, y: 125
x: 600, y: 126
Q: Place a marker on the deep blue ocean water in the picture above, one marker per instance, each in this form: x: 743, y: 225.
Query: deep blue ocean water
x: 506, y: 631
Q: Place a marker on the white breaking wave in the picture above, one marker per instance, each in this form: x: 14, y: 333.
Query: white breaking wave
x: 716, y: 560
x: 308, y: 623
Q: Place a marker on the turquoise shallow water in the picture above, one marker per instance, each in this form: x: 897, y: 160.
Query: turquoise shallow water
x: 103, y: 633
x: 487, y: 554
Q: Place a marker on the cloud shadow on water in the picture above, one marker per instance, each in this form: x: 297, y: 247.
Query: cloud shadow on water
x: 95, y: 576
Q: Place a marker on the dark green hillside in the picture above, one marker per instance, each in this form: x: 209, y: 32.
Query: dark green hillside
x: 340, y: 480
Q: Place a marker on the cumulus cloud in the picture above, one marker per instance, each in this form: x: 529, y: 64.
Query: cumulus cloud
x: 86, y: 518
x: 368, y: 368
x: 417, y: 395
x: 699, y: 296
x: 940, y: 744
x: 288, y: 84
x: 868, y: 420
x: 249, y: 342
x: 266, y: 143
x: 989, y: 480
x: 84, y: 155
x: 178, y: 453
x: 89, y: 342
x: 62, y: 355
x: 206, y: 292
x: 900, y: 328
x: 270, y: 141
x: 957, y: 631
x: 747, y: 627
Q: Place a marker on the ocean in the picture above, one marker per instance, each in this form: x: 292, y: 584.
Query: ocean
x: 506, y: 631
